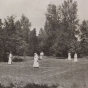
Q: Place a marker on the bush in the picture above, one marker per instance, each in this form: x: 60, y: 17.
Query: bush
x: 18, y: 59
x: 5, y: 57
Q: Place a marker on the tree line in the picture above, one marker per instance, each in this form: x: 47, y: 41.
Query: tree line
x: 62, y: 33
x: 16, y: 37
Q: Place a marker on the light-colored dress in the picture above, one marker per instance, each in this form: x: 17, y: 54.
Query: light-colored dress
x: 69, y: 56
x: 35, y: 64
x: 10, y: 59
x: 41, y: 55
x: 75, y: 58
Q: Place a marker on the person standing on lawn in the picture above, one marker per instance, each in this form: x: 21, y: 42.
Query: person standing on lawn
x: 36, y: 64
x: 69, y: 56
x: 10, y: 58
x: 41, y: 55
x: 75, y: 57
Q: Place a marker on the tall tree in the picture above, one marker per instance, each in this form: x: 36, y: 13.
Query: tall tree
x: 32, y: 42
x: 9, y: 34
x: 61, y: 24
x: 50, y: 26
x: 21, y: 45
x: 84, y: 37
x: 25, y: 27
x: 68, y: 25
x: 2, y: 45
x: 42, y: 40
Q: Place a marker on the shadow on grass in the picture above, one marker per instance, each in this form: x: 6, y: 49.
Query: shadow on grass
x: 61, y: 57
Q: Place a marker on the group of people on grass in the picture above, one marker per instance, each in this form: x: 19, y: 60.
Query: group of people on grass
x: 36, y: 57
x: 75, y: 57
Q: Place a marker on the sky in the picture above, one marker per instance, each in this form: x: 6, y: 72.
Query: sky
x: 35, y: 10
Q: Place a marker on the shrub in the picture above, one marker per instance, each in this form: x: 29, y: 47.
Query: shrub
x: 17, y: 59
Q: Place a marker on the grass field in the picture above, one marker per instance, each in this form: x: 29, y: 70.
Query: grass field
x: 68, y: 74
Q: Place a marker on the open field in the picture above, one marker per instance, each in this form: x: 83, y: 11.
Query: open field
x: 68, y: 74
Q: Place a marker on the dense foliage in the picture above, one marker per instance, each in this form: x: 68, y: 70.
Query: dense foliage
x: 62, y: 33
x: 16, y: 37
x: 60, y: 29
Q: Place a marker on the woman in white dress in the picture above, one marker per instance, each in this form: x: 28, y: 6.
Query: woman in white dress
x: 36, y: 64
x: 69, y: 56
x: 75, y: 57
x: 10, y: 59
x: 41, y: 55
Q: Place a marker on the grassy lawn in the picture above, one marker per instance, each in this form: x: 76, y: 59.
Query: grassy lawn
x: 68, y: 74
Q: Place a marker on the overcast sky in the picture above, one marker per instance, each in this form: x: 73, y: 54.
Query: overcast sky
x: 35, y: 10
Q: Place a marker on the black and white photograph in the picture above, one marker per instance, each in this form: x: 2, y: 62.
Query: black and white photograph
x: 43, y: 44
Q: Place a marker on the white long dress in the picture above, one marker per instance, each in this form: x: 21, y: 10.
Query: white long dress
x: 41, y: 55
x: 10, y: 59
x: 75, y: 58
x: 35, y: 64
x: 69, y: 56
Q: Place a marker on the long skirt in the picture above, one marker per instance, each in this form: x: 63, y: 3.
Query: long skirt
x: 69, y: 57
x: 75, y: 59
x: 36, y: 64
x: 41, y: 57
x: 10, y: 61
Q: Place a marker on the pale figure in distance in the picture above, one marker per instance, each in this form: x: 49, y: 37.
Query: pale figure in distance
x: 36, y: 64
x: 69, y: 56
x: 10, y: 58
x: 75, y: 57
x: 41, y: 55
